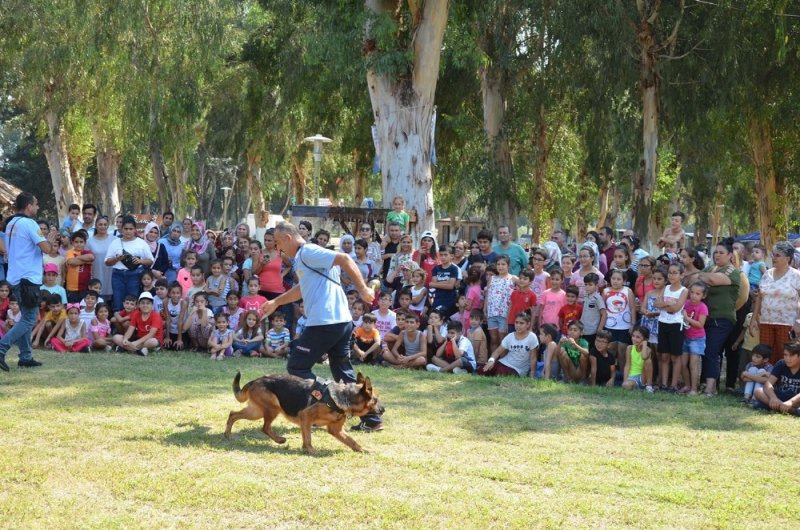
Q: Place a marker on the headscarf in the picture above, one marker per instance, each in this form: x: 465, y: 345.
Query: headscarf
x: 201, y: 244
x: 152, y: 244
x: 553, y: 252
x: 352, y: 240
x: 167, y: 239
x: 593, y: 246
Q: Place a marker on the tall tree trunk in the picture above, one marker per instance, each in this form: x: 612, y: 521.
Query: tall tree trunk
x: 259, y: 204
x: 771, y: 203
x: 613, y: 211
x: 582, y: 213
x: 359, y: 179
x: 716, y: 214
x: 702, y: 219
x: 540, y: 195
x: 55, y: 150
x: 402, y: 106
x: 108, y: 159
x: 180, y: 178
x: 645, y: 183
x: 605, y: 195
x: 493, y: 92
x: 299, y: 180
x: 157, y: 160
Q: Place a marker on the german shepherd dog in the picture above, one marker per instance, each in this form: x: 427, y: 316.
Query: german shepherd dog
x: 306, y: 403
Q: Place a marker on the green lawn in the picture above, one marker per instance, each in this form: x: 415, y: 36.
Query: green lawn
x: 118, y: 441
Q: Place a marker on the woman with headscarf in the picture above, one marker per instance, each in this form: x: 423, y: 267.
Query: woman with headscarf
x: 553, y: 257
x: 199, y: 243
x: 347, y: 244
x: 174, y: 247
x: 152, y: 233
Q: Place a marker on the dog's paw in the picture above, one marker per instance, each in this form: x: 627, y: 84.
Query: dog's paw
x: 310, y: 450
x: 227, y: 435
x: 280, y: 440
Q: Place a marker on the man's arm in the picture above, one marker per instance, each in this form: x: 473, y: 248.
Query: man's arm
x: 349, y: 266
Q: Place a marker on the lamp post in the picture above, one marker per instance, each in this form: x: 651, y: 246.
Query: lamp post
x: 225, y: 191
x: 317, y: 140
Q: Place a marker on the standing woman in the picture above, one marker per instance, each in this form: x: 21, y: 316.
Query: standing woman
x: 98, y: 244
x: 268, y: 265
x: 460, y: 256
x: 152, y: 235
x: 127, y: 256
x: 174, y: 247
x: 186, y: 234
x: 775, y: 309
x: 401, y: 260
x: 199, y: 243
x: 723, y: 279
x: 373, y: 247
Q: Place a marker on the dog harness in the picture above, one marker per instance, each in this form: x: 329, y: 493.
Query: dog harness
x: 321, y: 393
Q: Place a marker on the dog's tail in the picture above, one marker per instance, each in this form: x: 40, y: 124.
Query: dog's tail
x: 241, y: 395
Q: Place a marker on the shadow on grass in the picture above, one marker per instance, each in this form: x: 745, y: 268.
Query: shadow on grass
x: 247, y: 440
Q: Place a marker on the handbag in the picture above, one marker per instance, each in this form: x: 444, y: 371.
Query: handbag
x: 128, y: 259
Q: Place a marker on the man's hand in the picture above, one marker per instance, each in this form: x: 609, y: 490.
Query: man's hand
x: 367, y: 295
x: 268, y: 308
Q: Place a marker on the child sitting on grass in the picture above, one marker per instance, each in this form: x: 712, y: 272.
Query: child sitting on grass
x: 477, y: 337
x: 517, y: 352
x: 638, y: 362
x: 220, y: 344
x: 455, y: 355
x: 200, y: 321
x: 573, y: 357
x: 249, y: 337
x: 413, y: 343
x: 122, y: 319
x: 100, y: 329
x: 147, y: 327
x: 13, y: 316
x: 602, y: 364
x: 49, y: 325
x: 367, y: 343
x: 757, y: 371
x: 549, y: 348
x: 781, y: 392
x: 71, y: 335
x: 277, y: 344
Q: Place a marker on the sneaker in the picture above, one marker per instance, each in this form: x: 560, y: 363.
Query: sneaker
x: 3, y: 365
x: 31, y: 363
x: 649, y: 389
x: 459, y: 371
x: 432, y: 368
x: 213, y: 357
x: 118, y: 349
x: 142, y: 352
x: 220, y: 357
x: 367, y: 427
x: 108, y: 349
x: 87, y: 349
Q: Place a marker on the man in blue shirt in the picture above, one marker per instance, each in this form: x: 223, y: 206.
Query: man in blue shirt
x: 329, y: 324
x: 24, y: 245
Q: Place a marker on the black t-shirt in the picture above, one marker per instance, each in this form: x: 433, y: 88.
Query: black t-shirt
x: 444, y: 297
x: 604, y: 365
x: 391, y: 248
x: 787, y: 381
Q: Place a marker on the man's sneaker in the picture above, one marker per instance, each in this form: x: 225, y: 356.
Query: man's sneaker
x: 432, y: 368
x: 459, y: 371
x: 3, y: 365
x: 30, y: 363
x: 367, y: 427
x: 87, y: 349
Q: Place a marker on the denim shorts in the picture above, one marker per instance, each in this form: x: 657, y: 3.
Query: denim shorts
x: 498, y: 322
x: 695, y: 346
x: 636, y: 379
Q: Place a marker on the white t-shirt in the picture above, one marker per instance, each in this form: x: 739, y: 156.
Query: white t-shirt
x: 518, y: 356
x: 384, y: 324
x: 137, y: 247
x: 669, y: 296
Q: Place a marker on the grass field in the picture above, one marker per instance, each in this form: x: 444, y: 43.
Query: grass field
x: 118, y: 441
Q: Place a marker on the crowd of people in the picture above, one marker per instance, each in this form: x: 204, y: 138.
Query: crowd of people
x: 598, y: 312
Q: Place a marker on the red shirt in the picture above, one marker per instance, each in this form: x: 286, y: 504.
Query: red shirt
x: 143, y: 327
x: 252, y: 303
x: 567, y: 314
x: 520, y: 301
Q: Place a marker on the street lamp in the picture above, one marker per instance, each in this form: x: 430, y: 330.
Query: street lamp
x: 317, y: 140
x: 225, y: 191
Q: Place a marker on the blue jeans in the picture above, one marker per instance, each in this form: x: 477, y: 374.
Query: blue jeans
x: 717, y: 332
x: 20, y: 333
x: 171, y: 275
x: 333, y: 339
x: 246, y: 347
x: 125, y: 283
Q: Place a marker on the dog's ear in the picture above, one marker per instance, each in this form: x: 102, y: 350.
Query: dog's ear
x: 367, y: 388
x: 360, y: 378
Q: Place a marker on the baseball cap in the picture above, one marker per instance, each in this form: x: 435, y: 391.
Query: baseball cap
x: 51, y: 267
x: 145, y: 296
x: 427, y: 233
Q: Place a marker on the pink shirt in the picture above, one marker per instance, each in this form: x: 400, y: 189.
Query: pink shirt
x: 551, y: 305
x: 539, y: 285
x: 694, y: 311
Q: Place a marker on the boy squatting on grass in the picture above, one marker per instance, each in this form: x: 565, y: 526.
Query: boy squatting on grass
x: 781, y: 391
